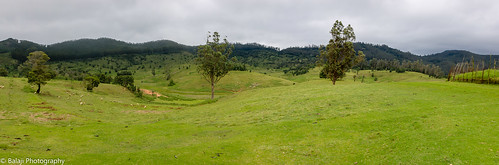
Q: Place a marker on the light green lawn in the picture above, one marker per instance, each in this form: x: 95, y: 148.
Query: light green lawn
x: 402, y: 118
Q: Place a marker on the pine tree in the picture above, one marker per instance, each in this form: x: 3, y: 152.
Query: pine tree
x: 339, y: 55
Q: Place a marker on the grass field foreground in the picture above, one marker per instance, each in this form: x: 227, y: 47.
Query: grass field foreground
x: 398, y: 119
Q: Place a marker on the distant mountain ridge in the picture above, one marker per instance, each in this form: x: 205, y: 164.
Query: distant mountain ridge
x: 449, y: 58
x: 252, y: 53
x: 89, y: 48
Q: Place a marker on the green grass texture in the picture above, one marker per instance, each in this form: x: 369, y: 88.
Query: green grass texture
x: 258, y: 118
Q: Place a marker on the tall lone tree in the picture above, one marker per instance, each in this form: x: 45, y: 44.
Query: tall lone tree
x: 339, y: 55
x: 213, y: 59
x: 39, y: 73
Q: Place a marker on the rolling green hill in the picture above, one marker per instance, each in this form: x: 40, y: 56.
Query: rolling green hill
x: 402, y: 118
x: 190, y: 84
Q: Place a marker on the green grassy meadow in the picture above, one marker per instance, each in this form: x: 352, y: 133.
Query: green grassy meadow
x: 271, y: 118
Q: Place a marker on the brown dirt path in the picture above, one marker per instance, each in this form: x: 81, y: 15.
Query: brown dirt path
x: 149, y: 92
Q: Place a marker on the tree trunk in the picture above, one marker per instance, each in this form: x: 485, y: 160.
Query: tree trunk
x: 450, y: 73
x: 212, y: 90
x: 334, y: 80
x: 38, y: 90
x: 483, y: 71
x: 488, y: 68
x: 212, y: 83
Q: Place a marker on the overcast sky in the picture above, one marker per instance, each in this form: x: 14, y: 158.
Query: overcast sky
x: 418, y: 26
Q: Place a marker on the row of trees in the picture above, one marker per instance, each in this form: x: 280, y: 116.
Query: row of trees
x: 400, y: 66
x: 475, y: 71
x: 123, y: 78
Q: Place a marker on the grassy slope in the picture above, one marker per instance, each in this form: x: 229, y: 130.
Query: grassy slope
x: 412, y: 122
x: 488, y: 74
x: 189, y: 83
x: 409, y: 123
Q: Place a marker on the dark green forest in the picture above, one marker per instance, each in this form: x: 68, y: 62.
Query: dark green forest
x: 71, y: 58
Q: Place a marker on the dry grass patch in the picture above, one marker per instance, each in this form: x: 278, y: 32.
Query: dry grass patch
x: 41, y: 117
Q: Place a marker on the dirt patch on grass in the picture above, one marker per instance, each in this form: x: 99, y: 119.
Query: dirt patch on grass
x: 44, y: 107
x: 149, y: 92
x: 2, y: 115
x: 38, y: 105
x: 145, y: 112
x: 47, y: 116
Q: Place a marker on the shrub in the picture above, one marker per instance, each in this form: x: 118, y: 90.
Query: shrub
x: 125, y: 79
x: 91, y: 82
x: 400, y: 70
x: 103, y: 78
x: 238, y: 67
x: 132, y: 88
x: 4, y: 72
x: 139, y: 93
x: 171, y: 83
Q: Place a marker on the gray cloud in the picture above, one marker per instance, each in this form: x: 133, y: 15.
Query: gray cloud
x: 418, y: 26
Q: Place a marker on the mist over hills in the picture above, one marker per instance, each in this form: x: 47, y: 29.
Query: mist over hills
x: 251, y: 53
